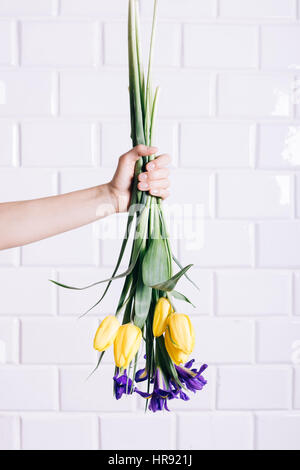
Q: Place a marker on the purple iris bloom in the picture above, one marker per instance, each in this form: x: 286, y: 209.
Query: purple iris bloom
x: 192, y: 379
x: 122, y: 385
x: 141, y: 375
x: 160, y: 395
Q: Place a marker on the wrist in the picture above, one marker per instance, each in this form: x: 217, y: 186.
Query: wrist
x: 106, y: 201
x: 118, y: 200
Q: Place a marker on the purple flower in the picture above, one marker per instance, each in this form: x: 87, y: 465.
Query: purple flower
x: 141, y: 375
x: 122, y: 385
x: 160, y: 395
x: 191, y: 379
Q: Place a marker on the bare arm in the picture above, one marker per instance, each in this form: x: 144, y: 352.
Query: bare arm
x: 29, y: 221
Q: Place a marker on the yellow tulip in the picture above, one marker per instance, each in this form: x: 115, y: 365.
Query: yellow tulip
x: 177, y: 355
x: 162, y: 311
x: 126, y: 345
x: 180, y: 337
x: 106, y: 333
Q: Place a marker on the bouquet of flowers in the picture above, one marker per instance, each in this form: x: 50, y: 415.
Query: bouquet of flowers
x: 146, y: 310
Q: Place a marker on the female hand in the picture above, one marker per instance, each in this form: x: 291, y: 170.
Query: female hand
x: 155, y: 179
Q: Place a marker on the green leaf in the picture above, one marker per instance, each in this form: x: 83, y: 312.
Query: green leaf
x: 170, y: 284
x: 165, y: 362
x: 143, y: 298
x: 182, y: 297
x: 155, y: 264
x: 181, y: 267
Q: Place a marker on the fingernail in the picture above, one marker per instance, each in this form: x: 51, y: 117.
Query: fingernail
x: 143, y: 176
x: 151, y: 166
x: 144, y: 186
x: 155, y: 192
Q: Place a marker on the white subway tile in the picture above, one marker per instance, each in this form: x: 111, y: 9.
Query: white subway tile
x: 28, y: 388
x: 185, y: 94
x: 157, y: 431
x: 56, y: 144
x: 279, y: 244
x: 115, y: 141
x: 20, y: 184
x: 253, y: 293
x: 260, y: 195
x: 59, y: 433
x: 277, y: 340
x: 78, y: 302
x: 279, y: 146
x: 9, y: 257
x: 26, y: 92
x: 6, y: 37
x: 297, y: 383
x: 58, y: 341
x: 175, y: 9
x: 30, y: 8
x: 224, y: 341
x: 94, y: 93
x: 78, y: 247
x: 278, y: 432
x: 248, y: 95
x: 208, y: 244
x: 257, y: 9
x: 279, y: 47
x: 254, y: 388
x: 220, y: 46
x: 9, y: 433
x: 192, y: 192
x: 202, y: 298
x: 6, y: 143
x: 25, y: 292
x: 60, y: 44
x: 215, y: 431
x: 214, y: 144
x: 80, y: 393
x: 9, y: 341
x: 168, y: 40
x: 101, y: 8
x: 73, y: 180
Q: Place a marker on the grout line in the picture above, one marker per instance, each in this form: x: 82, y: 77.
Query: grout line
x: 16, y: 157
x: 56, y: 7
x: 214, y: 299
x: 254, y: 142
x: 217, y: 10
x: 182, y: 46
x: 255, y: 431
x: 15, y: 43
x: 213, y: 95
x: 102, y: 38
x: 259, y: 47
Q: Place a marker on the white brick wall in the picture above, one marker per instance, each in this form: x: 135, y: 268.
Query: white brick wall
x: 228, y: 73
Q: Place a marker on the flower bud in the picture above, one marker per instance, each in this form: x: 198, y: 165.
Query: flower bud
x: 106, y: 333
x: 177, y: 355
x: 180, y: 337
x: 162, y: 311
x: 126, y: 345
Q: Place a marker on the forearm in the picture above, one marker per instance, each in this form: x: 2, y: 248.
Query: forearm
x: 29, y: 221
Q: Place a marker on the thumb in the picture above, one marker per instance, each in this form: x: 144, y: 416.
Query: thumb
x: 140, y: 151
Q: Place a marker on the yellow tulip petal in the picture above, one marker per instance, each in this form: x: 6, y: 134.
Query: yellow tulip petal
x: 126, y: 345
x: 162, y: 311
x: 106, y: 333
